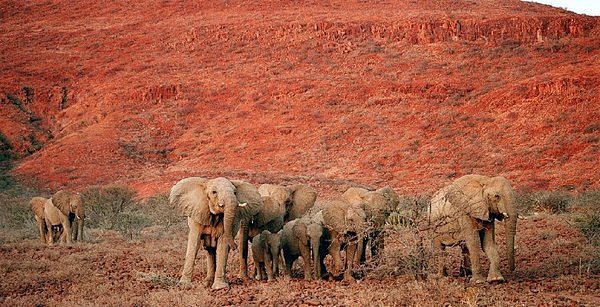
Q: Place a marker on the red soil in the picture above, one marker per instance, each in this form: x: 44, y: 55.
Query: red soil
x: 406, y: 93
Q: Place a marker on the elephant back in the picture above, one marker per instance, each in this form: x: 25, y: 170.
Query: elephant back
x: 37, y: 206
x: 342, y: 217
x: 303, y: 198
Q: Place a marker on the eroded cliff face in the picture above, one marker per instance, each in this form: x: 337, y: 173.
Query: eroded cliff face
x: 400, y: 93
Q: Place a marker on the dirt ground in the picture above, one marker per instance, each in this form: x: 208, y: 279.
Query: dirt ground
x: 553, y: 269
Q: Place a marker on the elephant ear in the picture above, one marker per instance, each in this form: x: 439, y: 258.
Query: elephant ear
x: 37, y: 206
x: 467, y: 197
x: 249, y: 199
x: 334, y: 215
x: 189, y: 197
x: 62, y: 201
x: 270, y: 210
x: 303, y: 198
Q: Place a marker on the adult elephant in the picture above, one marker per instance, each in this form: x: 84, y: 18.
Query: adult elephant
x: 378, y: 205
x: 63, y: 209
x: 347, y: 225
x: 215, y: 209
x: 465, y: 212
x: 280, y: 204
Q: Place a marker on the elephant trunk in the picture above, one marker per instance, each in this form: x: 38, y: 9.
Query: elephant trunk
x: 231, y: 207
x: 511, y: 229
x: 275, y: 262
x: 316, y: 263
x: 79, y: 236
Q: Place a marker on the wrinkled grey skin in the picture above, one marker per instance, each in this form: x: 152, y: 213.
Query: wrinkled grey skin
x: 302, y: 237
x: 347, y: 225
x: 464, y: 213
x: 266, y: 248
x: 280, y: 204
x: 378, y: 205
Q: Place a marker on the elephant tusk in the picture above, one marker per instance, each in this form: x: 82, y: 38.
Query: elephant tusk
x: 505, y: 215
x: 242, y: 204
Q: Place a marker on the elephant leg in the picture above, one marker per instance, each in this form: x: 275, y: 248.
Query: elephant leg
x: 66, y: 236
x: 210, y: 266
x: 42, y: 228
x: 305, y: 253
x: 222, y: 255
x: 350, y: 252
x: 441, y: 270
x: 473, y: 242
x: 289, y: 260
x: 243, y: 252
x: 465, y: 265
x: 377, y: 245
x: 49, y: 233
x: 191, y: 252
x: 269, y: 266
x: 491, y: 251
x: 334, y: 251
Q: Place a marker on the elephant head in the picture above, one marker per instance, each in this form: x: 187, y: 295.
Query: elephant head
x: 488, y: 198
x: 206, y: 200
x: 273, y: 244
x: 71, y: 205
x: 297, y: 199
x: 314, y: 230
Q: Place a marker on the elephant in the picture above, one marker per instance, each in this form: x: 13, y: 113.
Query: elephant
x: 63, y: 209
x: 266, y: 248
x: 378, y: 205
x: 347, y: 225
x: 37, y: 206
x: 280, y: 204
x: 215, y: 209
x: 464, y: 213
x: 301, y: 237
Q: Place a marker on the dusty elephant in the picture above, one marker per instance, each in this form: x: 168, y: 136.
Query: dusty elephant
x: 37, y: 206
x: 302, y: 238
x: 465, y: 211
x: 266, y: 248
x: 215, y: 209
x: 63, y: 209
x: 347, y: 226
x: 378, y: 205
x: 280, y: 203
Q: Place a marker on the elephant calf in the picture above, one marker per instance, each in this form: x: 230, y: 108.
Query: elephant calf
x: 300, y: 237
x: 266, y: 248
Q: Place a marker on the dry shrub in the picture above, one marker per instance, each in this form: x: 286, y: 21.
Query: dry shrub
x: 160, y: 212
x: 115, y: 207
x: 552, y: 202
x: 16, y: 219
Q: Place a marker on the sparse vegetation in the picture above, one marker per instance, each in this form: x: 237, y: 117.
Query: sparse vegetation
x: 544, y: 201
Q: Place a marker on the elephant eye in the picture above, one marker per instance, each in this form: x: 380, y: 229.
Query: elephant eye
x: 214, y: 192
x: 497, y: 196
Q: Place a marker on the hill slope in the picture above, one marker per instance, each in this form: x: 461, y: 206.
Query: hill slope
x: 401, y: 93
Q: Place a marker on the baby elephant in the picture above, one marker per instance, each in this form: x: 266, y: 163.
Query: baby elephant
x: 266, y: 248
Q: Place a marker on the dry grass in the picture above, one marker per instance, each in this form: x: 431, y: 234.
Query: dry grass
x: 556, y: 268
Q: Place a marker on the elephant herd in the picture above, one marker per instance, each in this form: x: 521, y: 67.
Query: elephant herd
x: 59, y: 218
x: 291, y: 221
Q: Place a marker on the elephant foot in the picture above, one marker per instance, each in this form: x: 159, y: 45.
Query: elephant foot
x: 477, y: 279
x: 348, y: 277
x: 495, y: 278
x: 219, y: 284
x: 208, y: 280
